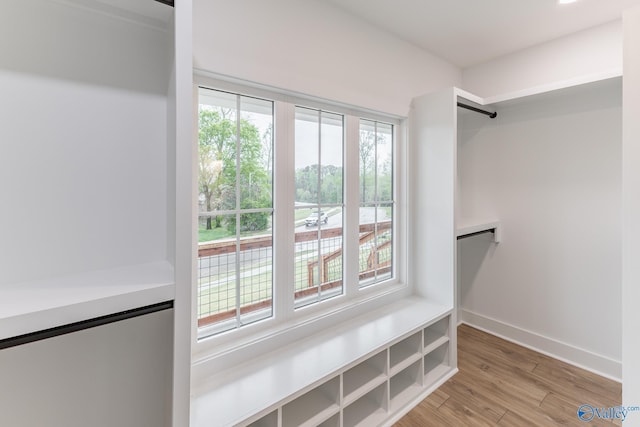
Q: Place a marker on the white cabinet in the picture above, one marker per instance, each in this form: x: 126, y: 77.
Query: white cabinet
x: 376, y: 388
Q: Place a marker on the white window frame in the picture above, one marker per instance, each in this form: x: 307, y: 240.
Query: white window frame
x: 354, y: 299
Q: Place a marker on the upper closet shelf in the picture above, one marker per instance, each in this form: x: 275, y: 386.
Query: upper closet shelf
x: 468, y: 228
x: 39, y: 305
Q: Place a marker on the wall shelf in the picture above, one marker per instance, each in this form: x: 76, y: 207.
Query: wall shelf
x: 469, y: 227
x: 44, y: 304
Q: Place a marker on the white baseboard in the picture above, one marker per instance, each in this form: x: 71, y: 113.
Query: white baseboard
x: 596, y: 363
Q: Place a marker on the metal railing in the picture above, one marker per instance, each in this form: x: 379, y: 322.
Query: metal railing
x: 318, y: 268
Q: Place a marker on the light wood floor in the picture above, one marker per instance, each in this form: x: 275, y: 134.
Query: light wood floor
x: 503, y: 384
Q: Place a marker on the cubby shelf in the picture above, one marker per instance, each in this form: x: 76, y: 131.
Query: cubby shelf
x: 369, y: 410
x: 364, y: 377
x: 372, y: 386
x: 313, y: 407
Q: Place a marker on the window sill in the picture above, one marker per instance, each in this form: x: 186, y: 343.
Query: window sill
x: 225, y: 351
x: 43, y: 304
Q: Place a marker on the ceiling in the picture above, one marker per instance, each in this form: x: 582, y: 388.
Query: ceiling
x: 469, y: 32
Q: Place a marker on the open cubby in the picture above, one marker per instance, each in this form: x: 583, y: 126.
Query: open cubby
x: 436, y: 334
x: 364, y: 376
x: 436, y: 363
x: 368, y: 410
x: 405, y: 384
x: 405, y: 352
x: 331, y: 422
x: 313, y: 407
x: 269, y: 420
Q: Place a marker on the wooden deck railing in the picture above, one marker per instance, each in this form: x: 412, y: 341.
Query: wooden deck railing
x: 367, y: 233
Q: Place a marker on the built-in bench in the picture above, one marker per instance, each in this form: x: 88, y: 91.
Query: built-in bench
x: 365, y: 373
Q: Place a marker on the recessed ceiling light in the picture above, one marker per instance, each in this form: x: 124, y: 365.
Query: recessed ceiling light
x: 566, y: 1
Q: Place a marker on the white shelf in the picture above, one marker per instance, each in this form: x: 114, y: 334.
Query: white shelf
x: 331, y: 422
x: 435, y: 344
x: 364, y: 377
x: 285, y: 372
x: 43, y: 304
x: 310, y: 409
x: 405, y: 386
x: 466, y: 227
x: 436, y: 363
x: 366, y: 411
x: 436, y: 373
x: 269, y: 420
x: 436, y: 334
x: 404, y: 353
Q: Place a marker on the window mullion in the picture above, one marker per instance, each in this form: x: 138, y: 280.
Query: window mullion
x: 351, y: 235
x: 284, y: 191
x: 237, y: 215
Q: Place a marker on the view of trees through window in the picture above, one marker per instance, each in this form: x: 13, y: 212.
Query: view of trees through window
x: 236, y: 208
x: 376, y: 201
x: 235, y: 181
x: 319, y: 146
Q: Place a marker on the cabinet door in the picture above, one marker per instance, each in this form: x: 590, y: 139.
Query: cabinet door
x: 117, y: 374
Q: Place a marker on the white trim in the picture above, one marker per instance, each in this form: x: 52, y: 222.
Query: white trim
x: 249, y: 88
x: 537, y: 90
x: 351, y: 217
x: 592, y: 362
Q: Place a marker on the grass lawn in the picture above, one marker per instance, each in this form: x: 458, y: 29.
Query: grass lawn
x: 205, y: 235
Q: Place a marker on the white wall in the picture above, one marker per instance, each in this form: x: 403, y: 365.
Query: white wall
x: 631, y: 212
x: 549, y: 169
x: 585, y: 56
x: 83, y: 159
x: 310, y: 47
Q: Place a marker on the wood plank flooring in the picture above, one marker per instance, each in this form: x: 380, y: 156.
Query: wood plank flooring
x: 502, y: 384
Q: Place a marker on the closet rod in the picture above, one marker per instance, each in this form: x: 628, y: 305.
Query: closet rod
x: 477, y: 110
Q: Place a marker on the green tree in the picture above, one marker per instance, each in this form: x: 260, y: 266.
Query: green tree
x: 218, y: 138
x: 367, y: 165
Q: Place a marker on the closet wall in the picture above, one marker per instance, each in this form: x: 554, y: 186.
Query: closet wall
x: 549, y: 169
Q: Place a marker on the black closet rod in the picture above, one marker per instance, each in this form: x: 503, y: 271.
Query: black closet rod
x: 477, y: 110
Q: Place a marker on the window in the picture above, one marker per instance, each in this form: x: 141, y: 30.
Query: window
x: 318, y: 205
x: 376, y: 201
x: 266, y: 247
x: 235, y: 158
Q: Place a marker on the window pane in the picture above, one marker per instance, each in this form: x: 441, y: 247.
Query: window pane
x: 367, y: 157
x: 217, y: 129
x: 331, y: 158
x: 307, y: 153
x: 235, y: 234
x: 256, y: 153
x: 318, y: 213
x: 384, y: 165
x: 216, y: 270
x: 376, y: 202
